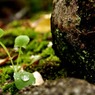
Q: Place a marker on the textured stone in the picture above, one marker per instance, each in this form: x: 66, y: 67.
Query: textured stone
x: 64, y: 86
x: 73, y: 33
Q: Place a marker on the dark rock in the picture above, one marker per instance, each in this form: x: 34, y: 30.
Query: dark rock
x: 73, y: 33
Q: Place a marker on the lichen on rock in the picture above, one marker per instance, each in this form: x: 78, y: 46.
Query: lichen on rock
x: 73, y: 33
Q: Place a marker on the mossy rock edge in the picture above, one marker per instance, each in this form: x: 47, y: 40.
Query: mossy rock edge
x: 73, y: 33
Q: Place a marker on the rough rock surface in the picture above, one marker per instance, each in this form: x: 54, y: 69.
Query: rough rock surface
x: 73, y: 32
x: 68, y: 86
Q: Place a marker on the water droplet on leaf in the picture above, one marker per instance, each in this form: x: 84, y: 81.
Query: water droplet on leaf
x: 25, y: 77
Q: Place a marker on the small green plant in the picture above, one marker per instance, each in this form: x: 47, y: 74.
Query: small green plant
x: 21, y: 77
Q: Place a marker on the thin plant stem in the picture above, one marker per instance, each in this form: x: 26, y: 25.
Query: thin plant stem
x: 18, y: 56
x: 6, y: 50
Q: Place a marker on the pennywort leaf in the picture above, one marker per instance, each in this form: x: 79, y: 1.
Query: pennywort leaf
x: 23, y: 79
x: 21, y: 41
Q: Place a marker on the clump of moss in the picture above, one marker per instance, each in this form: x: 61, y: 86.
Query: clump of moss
x: 10, y: 87
x: 47, y: 65
x: 6, y: 73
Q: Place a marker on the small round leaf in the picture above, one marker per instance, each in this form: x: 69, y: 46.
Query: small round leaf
x: 23, y: 79
x: 1, y: 32
x: 21, y: 41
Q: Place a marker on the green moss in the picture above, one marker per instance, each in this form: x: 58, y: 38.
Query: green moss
x: 47, y: 52
x: 10, y: 88
x: 37, y: 46
x: 6, y: 73
x: 47, y: 65
x: 11, y: 34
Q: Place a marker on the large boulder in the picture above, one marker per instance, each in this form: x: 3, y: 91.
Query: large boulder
x: 73, y: 34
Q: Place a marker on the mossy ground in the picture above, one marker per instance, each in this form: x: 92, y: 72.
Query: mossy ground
x: 48, y: 65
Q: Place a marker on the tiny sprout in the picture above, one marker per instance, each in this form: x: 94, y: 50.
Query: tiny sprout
x: 21, y: 41
x: 1, y: 32
x: 20, y: 77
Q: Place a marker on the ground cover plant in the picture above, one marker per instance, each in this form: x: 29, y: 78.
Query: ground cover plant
x: 21, y: 77
x: 36, y: 55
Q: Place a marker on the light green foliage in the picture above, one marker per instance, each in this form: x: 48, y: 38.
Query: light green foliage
x: 53, y: 58
x: 23, y: 79
x: 21, y: 41
x: 1, y: 32
x: 19, y: 75
x: 47, y: 52
x: 5, y: 74
x: 12, y: 33
x: 37, y: 47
